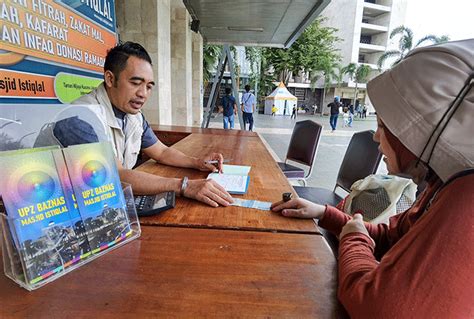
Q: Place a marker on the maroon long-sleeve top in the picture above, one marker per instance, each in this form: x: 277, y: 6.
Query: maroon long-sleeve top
x: 422, y: 264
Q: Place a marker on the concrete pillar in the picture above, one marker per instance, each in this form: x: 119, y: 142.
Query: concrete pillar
x: 163, y: 62
x: 181, y: 65
x: 198, y: 90
x: 148, y: 23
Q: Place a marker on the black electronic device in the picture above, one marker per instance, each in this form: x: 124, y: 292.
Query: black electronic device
x: 149, y: 205
x: 195, y: 25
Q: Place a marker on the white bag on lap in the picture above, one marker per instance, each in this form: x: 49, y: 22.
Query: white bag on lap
x: 379, y: 197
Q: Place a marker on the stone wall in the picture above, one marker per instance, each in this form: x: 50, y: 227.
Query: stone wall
x: 162, y: 27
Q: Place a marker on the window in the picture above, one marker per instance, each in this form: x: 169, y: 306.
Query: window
x: 300, y: 93
x: 367, y: 39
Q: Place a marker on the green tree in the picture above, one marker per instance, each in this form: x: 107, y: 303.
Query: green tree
x: 313, y: 53
x: 358, y: 73
x: 406, y: 44
x: 318, y: 54
x: 310, y: 53
x: 259, y: 75
x: 283, y: 62
x: 210, y: 55
x: 331, y: 71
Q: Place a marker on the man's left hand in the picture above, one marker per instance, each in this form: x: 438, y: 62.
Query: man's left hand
x: 216, y: 159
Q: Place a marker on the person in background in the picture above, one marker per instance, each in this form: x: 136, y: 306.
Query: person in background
x: 229, y: 109
x: 345, y: 117
x: 315, y: 109
x: 293, y: 113
x: 128, y: 82
x: 274, y: 110
x: 335, y: 105
x: 351, y: 115
x: 248, y: 107
x: 358, y: 109
x: 364, y: 112
x: 420, y: 265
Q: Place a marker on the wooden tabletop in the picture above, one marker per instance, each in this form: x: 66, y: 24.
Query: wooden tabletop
x: 171, y: 134
x: 267, y: 183
x: 193, y: 129
x: 186, y: 273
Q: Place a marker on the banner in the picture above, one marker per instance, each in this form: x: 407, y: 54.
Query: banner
x: 53, y: 51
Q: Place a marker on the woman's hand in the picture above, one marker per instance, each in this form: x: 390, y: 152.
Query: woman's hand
x: 300, y: 208
x: 355, y: 225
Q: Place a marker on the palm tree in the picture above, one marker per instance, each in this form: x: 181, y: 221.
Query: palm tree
x: 332, y: 72
x: 358, y: 74
x: 433, y: 39
x: 405, y: 44
x: 209, y: 59
x: 260, y: 76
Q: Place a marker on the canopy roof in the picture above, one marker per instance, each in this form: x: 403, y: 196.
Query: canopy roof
x: 254, y: 22
x: 281, y: 93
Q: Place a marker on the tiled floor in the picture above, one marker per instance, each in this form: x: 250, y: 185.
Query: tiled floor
x: 276, y: 132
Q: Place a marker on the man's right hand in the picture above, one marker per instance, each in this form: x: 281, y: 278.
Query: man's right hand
x: 300, y: 208
x: 208, y: 192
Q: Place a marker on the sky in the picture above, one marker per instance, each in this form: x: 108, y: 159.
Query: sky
x: 438, y: 17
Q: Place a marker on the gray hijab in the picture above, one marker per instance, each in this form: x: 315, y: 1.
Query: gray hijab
x: 413, y: 97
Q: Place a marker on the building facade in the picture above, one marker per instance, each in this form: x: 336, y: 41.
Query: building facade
x: 364, y: 27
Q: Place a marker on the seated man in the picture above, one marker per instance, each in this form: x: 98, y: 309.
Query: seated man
x: 128, y: 81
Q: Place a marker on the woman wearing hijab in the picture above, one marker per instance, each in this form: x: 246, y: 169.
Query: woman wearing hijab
x: 421, y: 264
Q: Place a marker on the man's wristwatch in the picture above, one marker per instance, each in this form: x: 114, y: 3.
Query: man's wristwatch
x: 184, y: 185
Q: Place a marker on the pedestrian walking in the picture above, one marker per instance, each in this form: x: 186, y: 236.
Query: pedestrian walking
x: 335, y: 105
x: 351, y: 115
x: 293, y: 114
x: 274, y: 110
x: 248, y: 107
x: 229, y: 109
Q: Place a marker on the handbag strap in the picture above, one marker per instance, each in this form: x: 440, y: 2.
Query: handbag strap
x: 248, y: 97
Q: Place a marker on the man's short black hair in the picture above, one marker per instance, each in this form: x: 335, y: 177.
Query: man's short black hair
x: 247, y: 88
x: 117, y: 57
x: 228, y: 91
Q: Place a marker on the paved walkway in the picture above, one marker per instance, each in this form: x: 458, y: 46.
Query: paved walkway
x: 276, y: 133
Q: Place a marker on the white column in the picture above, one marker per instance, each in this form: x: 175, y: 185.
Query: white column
x: 181, y: 65
x: 198, y: 90
x: 163, y: 79
x: 148, y: 23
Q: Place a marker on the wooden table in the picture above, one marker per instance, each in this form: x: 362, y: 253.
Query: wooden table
x: 215, y: 262
x: 171, y: 134
x: 267, y: 183
x: 188, y: 273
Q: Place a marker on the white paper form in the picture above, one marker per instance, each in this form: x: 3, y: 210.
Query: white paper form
x: 235, y: 178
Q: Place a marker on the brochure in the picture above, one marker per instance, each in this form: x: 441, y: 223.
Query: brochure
x: 62, y: 205
x: 98, y: 191
x: 38, y: 213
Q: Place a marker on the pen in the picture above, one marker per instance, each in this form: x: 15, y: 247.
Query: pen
x: 227, y: 160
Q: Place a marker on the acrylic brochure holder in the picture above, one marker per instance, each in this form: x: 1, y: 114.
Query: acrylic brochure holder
x: 48, y: 259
